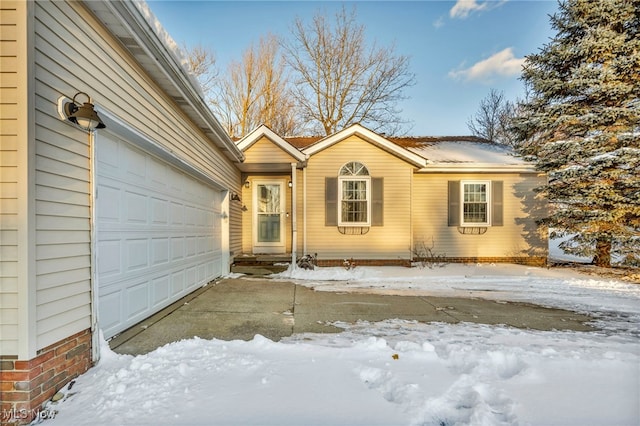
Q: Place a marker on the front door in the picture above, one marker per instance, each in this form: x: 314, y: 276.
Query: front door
x: 269, y: 225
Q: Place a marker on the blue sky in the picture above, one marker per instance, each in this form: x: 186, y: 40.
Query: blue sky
x: 458, y: 50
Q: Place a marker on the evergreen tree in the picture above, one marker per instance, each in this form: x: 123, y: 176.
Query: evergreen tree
x: 584, y: 116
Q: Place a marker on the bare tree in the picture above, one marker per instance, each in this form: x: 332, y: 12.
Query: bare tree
x: 201, y: 62
x: 340, y: 80
x: 256, y: 91
x: 277, y: 107
x: 493, y: 119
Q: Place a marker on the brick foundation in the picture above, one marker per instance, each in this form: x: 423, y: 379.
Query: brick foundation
x: 365, y: 262
x: 530, y: 261
x: 26, y: 385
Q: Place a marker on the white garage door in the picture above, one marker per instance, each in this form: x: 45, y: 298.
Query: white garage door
x: 158, y: 234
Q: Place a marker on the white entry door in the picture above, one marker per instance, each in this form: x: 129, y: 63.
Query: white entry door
x: 269, y: 217
x: 158, y: 232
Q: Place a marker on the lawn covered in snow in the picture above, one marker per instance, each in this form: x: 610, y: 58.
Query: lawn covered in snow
x: 393, y: 372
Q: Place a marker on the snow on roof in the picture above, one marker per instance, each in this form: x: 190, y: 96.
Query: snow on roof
x: 467, y: 152
x: 169, y: 43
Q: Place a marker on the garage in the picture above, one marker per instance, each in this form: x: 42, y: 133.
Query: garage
x: 158, y: 232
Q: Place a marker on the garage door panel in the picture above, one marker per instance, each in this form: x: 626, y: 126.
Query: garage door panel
x: 110, y: 310
x: 159, y: 251
x: 137, y: 300
x: 109, y: 262
x: 108, y: 203
x: 135, y: 163
x: 177, y: 283
x: 160, y: 290
x: 159, y: 211
x: 158, y: 234
x: 137, y: 256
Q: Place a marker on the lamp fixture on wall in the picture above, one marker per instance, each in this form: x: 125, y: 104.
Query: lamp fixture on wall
x: 290, y: 184
x: 247, y: 184
x: 83, y: 115
x: 235, y: 196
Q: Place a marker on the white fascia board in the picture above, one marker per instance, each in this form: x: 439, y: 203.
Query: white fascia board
x: 371, y: 137
x: 264, y: 131
x: 478, y: 168
x: 129, y: 15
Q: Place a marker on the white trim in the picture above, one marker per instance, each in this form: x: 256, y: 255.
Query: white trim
x: 477, y: 168
x: 121, y: 129
x: 95, y: 325
x: 371, y: 137
x: 294, y: 214
x: 26, y: 204
x: 342, y: 179
x: 263, y: 131
x: 487, y: 201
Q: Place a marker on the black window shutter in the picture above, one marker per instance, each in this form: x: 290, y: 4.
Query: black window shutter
x: 377, y: 201
x: 497, y: 203
x: 331, y: 201
x: 454, y: 203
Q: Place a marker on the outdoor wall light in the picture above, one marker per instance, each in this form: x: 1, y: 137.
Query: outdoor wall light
x: 83, y: 115
x: 235, y: 196
x: 290, y: 184
x: 247, y: 184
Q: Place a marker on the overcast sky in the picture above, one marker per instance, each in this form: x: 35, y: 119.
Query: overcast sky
x: 458, y: 50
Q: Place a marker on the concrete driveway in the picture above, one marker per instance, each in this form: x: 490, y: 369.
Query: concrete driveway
x: 240, y: 308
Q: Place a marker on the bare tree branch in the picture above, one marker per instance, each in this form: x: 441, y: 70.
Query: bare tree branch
x: 340, y: 81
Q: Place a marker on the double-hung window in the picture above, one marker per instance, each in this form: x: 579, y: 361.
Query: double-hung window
x: 475, y: 203
x: 354, y: 194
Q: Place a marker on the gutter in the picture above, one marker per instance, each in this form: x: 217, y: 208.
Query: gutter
x: 478, y: 168
x: 155, y: 49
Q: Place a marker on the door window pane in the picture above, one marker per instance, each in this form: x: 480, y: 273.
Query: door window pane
x: 269, y: 213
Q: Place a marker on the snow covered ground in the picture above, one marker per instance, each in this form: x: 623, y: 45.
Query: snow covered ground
x: 393, y: 372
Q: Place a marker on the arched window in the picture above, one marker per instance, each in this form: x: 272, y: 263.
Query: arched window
x: 354, y: 194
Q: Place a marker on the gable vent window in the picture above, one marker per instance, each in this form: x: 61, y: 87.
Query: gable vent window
x: 354, y: 198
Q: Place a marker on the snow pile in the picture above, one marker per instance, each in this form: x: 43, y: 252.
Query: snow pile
x: 393, y: 372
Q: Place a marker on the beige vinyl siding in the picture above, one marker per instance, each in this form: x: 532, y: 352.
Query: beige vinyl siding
x: 74, y: 53
x: 516, y: 238
x: 265, y: 151
x: 391, y: 241
x: 11, y: 25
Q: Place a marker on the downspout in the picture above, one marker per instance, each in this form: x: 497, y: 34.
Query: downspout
x: 304, y: 210
x: 294, y: 215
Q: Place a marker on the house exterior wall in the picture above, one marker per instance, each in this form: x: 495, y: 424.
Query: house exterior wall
x: 265, y: 151
x: 46, y: 184
x: 392, y: 241
x: 16, y: 194
x: 516, y: 240
x: 75, y: 53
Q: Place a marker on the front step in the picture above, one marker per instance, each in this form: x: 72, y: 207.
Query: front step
x: 260, y: 264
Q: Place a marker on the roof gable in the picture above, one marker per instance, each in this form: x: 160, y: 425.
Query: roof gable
x: 370, y: 137
x: 264, y: 131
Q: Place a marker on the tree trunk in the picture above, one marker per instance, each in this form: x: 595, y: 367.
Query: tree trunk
x: 603, y: 253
